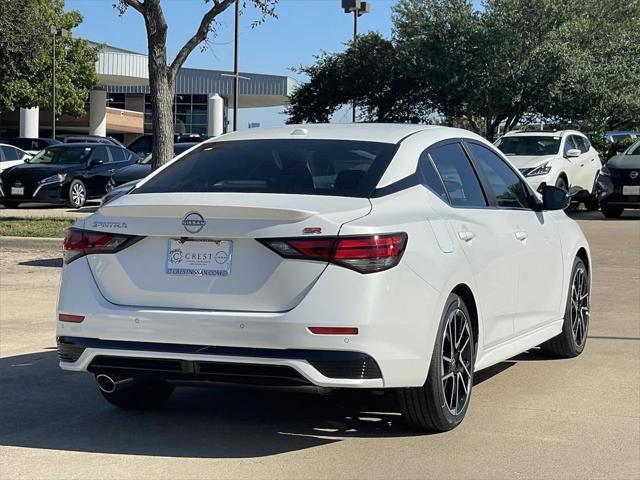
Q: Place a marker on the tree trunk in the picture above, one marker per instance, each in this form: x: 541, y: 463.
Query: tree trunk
x: 161, y: 85
x: 491, y: 126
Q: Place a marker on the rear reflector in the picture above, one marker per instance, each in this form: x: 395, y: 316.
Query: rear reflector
x: 78, y: 243
x: 64, y: 317
x: 334, y: 330
x: 362, y: 253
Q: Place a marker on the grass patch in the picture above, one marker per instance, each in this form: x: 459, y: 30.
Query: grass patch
x: 34, y: 227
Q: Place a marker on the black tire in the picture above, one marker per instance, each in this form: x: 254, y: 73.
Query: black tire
x: 140, y: 395
x: 428, y: 407
x: 592, y: 204
x: 612, y: 212
x: 10, y: 204
x: 573, y: 338
x: 77, y: 195
x: 562, y: 183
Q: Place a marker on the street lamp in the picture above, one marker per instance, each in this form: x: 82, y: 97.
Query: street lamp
x: 55, y: 33
x: 358, y: 8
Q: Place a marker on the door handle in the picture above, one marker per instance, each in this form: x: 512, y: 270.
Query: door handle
x: 522, y: 236
x: 112, y: 170
x: 466, y: 235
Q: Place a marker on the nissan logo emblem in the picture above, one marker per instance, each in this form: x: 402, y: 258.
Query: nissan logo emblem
x: 193, y: 222
x: 633, y: 175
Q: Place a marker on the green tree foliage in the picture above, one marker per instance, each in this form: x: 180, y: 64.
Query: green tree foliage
x: 577, y: 63
x: 26, y: 57
x: 370, y: 73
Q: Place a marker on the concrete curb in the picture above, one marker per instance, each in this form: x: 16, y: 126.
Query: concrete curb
x: 30, y: 242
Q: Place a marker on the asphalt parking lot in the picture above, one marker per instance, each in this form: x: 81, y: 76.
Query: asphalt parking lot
x: 530, y: 417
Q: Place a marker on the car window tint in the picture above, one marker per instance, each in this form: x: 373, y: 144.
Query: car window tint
x: 301, y: 166
x: 118, y: 154
x: 101, y: 153
x: 11, y: 153
x: 569, y: 144
x: 430, y: 177
x: 634, y: 149
x: 580, y: 143
x: 458, y: 176
x: 508, y: 189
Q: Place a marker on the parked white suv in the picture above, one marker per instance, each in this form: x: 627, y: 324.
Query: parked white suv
x: 565, y: 159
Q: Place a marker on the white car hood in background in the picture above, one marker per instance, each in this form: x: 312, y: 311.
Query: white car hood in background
x: 529, y: 161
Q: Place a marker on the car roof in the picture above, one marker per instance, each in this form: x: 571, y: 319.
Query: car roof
x: 372, y: 132
x: 542, y: 133
x: 83, y: 145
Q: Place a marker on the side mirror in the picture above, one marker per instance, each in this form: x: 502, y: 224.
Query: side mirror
x: 95, y: 162
x: 555, y: 198
x: 573, y: 153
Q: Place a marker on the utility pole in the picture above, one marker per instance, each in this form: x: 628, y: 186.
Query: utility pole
x: 358, y: 7
x: 55, y: 33
x: 236, y: 72
x: 236, y: 67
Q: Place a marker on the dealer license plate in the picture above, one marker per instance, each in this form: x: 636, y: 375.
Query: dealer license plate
x: 631, y: 190
x: 17, y: 190
x: 199, y: 257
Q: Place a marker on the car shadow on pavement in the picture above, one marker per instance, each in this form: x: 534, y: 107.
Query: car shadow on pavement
x: 42, y: 406
x: 597, y: 215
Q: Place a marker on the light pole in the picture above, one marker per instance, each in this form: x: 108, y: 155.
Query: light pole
x: 55, y: 33
x: 358, y: 8
x: 236, y: 73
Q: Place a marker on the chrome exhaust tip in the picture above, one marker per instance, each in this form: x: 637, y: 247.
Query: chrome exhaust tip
x: 109, y: 384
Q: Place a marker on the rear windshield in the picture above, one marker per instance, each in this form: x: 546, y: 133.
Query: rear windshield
x: 312, y: 167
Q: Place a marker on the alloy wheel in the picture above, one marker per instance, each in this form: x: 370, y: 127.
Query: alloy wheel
x: 78, y: 194
x: 580, y: 306
x: 457, y: 356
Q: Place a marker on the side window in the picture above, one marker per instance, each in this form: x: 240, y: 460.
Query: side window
x: 458, y: 176
x: 582, y: 143
x: 509, y: 190
x: 569, y: 144
x: 118, y: 154
x: 10, y: 153
x: 430, y: 177
x: 2, y: 158
x: 101, y: 153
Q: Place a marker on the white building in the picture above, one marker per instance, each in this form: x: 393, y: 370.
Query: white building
x: 120, y: 107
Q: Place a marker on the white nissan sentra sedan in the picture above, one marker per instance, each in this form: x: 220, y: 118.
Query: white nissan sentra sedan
x: 401, y: 257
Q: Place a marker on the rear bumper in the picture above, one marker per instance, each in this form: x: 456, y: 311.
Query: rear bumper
x: 396, y: 313
x: 180, y: 362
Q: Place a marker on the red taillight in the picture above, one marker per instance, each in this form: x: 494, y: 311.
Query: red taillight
x: 334, y: 330
x: 363, y: 253
x: 65, y: 317
x: 83, y: 242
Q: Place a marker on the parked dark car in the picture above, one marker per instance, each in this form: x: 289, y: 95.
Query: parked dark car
x: 144, y: 144
x: 64, y: 174
x: 142, y: 167
x: 92, y: 139
x: 619, y: 182
x: 31, y: 145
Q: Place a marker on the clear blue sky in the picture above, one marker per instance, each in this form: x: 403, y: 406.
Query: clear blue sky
x: 303, y: 29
